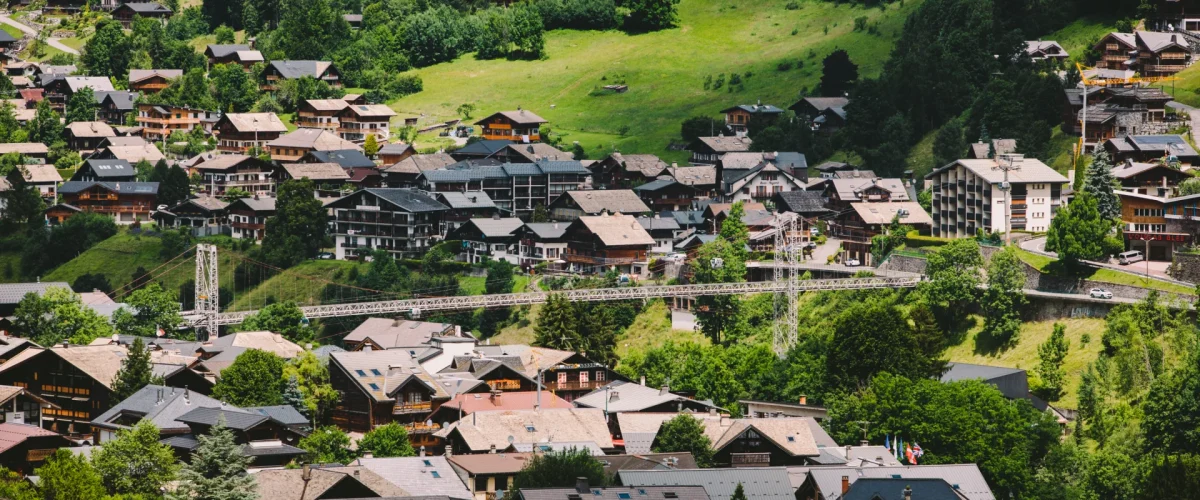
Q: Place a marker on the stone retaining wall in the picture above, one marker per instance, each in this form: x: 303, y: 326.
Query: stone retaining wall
x: 1186, y: 267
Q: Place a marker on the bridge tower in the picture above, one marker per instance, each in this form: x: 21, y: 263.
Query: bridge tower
x: 787, y: 262
x: 207, y: 292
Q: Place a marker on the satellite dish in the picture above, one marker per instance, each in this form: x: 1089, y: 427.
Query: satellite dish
x: 428, y: 422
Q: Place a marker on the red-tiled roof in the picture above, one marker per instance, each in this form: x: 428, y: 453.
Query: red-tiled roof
x: 14, y: 434
x: 524, y: 400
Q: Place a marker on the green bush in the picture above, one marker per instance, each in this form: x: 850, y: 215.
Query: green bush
x: 916, y: 240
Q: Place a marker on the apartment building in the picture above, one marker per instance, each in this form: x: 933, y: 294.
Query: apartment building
x: 968, y: 195
x: 401, y: 221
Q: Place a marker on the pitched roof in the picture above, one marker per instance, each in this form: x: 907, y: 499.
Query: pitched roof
x: 873, y: 488
x: 312, y: 138
x: 1030, y: 170
x: 966, y: 478
x: 485, y: 147
x: 235, y: 418
x: 120, y: 187
x: 134, y: 154
x: 407, y: 199
x: 658, y: 223
x: 1156, y: 41
x: 12, y: 434
x: 316, y: 171
x: 758, y: 483
x: 256, y: 203
x: 520, y: 116
x: 657, y: 184
x: 539, y: 151
x: 967, y: 371
x: 493, y: 227
x: 297, y: 69
x: 91, y: 129
x: 469, y: 200
x: 516, y: 400
x: 121, y: 99
x: 263, y: 341
x: 161, y: 405
x: 389, y: 333
x: 24, y: 148
x: 593, y: 202
x: 617, y: 230
x: 630, y: 397
x: 222, y: 162
x: 493, y: 428
x: 910, y: 212
x: 1173, y: 144
x: 395, y: 148
x: 284, y: 414
x: 376, y: 372
x: 416, y: 164
x: 703, y: 175
x: 741, y: 160
x: 547, y: 230
x: 824, y: 103
x: 254, y: 122
x: 490, y: 463
x: 249, y: 56
x: 416, y: 474
x: 754, y: 108
x: 648, y: 461
x: 137, y: 75
x: 327, y: 104
x: 618, y: 492
x: 1000, y: 146
x: 204, y: 202
x: 40, y: 173
x: 346, y: 158
x: 722, y: 144
x: 291, y: 484
x: 224, y: 50
x: 146, y: 7
x: 851, y: 189
x: 97, y: 83
x: 111, y: 168
x: 12, y: 293
x: 371, y: 110
x: 802, y: 202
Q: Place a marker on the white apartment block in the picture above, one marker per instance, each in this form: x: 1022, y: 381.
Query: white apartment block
x: 967, y: 196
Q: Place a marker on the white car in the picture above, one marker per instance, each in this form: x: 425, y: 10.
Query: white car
x: 1100, y: 293
x: 853, y: 263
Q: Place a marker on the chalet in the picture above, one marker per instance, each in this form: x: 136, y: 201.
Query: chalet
x: 663, y: 230
x: 710, y: 150
x: 829, y: 121
x: 464, y: 207
x: 993, y: 149
x: 864, y: 221
x: 232, y: 53
x: 11, y: 295
x: 328, y: 178
x: 7, y: 41
x: 716, y: 213
x: 622, y: 170
x: 1039, y: 50
x: 490, y: 430
x: 218, y: 354
x: 572, y: 205
x: 44, y: 178
x: 279, y: 71
x: 246, y: 132
x: 516, y: 188
x: 542, y: 243
x: 1153, y: 178
x: 826, y: 114
x: 404, y: 173
x: 357, y: 121
x: 159, y: 121
x: 616, y: 492
x: 150, y: 10
x: 203, y: 211
x: 401, y: 221
x: 833, y: 482
x: 1150, y: 53
x: 1149, y: 148
x: 462, y: 405
x: 489, y: 475
x: 158, y: 403
x: 431, y: 475
x: 60, y: 88
x: 345, y: 158
x: 324, y: 481
x: 320, y: 113
x: 666, y: 194
x: 600, y: 243
x: 133, y: 154
x: 234, y: 171
x: 1118, y: 51
x: 115, y: 105
x: 380, y: 387
x: 488, y: 239
x: 702, y: 178
x: 807, y: 204
x: 105, y: 170
x: 534, y: 152
x: 26, y: 446
x: 295, y: 144
x: 391, y: 154
x: 150, y: 81
x: 125, y: 202
x: 517, y: 126
x: 478, y: 150
x: 759, y: 183
x: 1145, y: 226
x: 270, y: 442
x: 377, y: 334
x: 843, y: 192
x: 248, y: 216
x: 85, y: 137
x: 738, y: 118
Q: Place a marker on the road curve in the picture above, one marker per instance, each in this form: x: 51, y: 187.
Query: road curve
x: 32, y: 33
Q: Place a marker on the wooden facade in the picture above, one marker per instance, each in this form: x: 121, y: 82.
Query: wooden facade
x: 1115, y: 50
x: 159, y: 121
x: 319, y: 113
x: 357, y: 121
x: 126, y: 204
x: 516, y: 126
x: 79, y: 397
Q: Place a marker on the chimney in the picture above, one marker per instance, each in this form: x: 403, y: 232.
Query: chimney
x: 803, y: 399
x: 725, y: 421
x: 581, y: 484
x: 449, y: 452
x: 306, y: 472
x: 367, y: 454
x: 664, y: 391
x: 712, y: 412
x: 845, y: 484
x: 864, y: 443
x: 643, y: 382
x: 187, y: 396
x: 422, y: 451
x: 908, y: 489
x: 847, y: 453
x: 492, y: 449
x: 65, y: 344
x: 496, y: 398
x: 614, y: 396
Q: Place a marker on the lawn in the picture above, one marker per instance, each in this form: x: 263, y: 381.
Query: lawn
x: 1051, y: 266
x: 74, y: 43
x: 300, y: 284
x: 474, y: 285
x: 920, y: 157
x: 10, y: 267
x: 665, y: 71
x: 12, y: 30
x: 1081, y: 35
x: 652, y: 328
x: 1024, y: 354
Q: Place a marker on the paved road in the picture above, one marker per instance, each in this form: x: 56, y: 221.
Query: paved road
x: 32, y: 33
x: 1157, y: 269
x: 1193, y: 113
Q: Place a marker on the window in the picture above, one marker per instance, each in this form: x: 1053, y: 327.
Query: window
x: 583, y: 377
x: 597, y: 492
x: 427, y: 464
x: 530, y: 428
x: 562, y: 377
x: 670, y: 494
x: 375, y: 372
x: 360, y: 373
x: 599, y: 375
x: 435, y: 475
x: 641, y: 491
x: 791, y: 439
x: 374, y: 387
x: 624, y: 496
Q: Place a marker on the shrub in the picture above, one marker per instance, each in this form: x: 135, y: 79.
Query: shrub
x: 784, y: 66
x: 793, y: 5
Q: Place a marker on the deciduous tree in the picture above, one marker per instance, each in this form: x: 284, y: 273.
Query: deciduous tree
x: 560, y: 468
x: 1005, y: 296
x: 389, y: 440
x: 1051, y: 354
x: 312, y: 378
x: 954, y: 278
x: 328, y: 445
x: 58, y: 315
x: 650, y: 15
x: 284, y: 318
x: 67, y: 476
x: 298, y: 229
x: 254, y: 379
x: 1080, y: 232
x: 869, y: 338
x: 720, y: 261
x: 153, y: 307
x: 135, y: 463
x: 684, y: 434
x: 108, y: 52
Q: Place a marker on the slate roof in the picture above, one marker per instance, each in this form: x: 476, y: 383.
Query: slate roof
x: 1174, y: 144
x: 111, y: 168
x: 370, y: 110
x: 966, y: 478
x: 237, y: 419
x: 347, y: 158
x: 648, y: 165
x: 261, y: 340
x: 897, y: 489
x: 91, y: 129
x: 648, y: 461
x: 547, y: 230
x: 394, y: 148
x: 24, y: 148
x: 257, y: 204
x: 119, y: 187
x: 222, y: 162
x: 205, y: 202
x: 7, y: 37
x: 1031, y: 170
x: 316, y: 171
x: 703, y: 175
x: 290, y: 484
x: 823, y: 103
x: 802, y: 202
x: 514, y: 400
x: 490, y: 463
x: 618, y: 493
x: 1000, y: 146
x: 493, y: 228
x: 485, y: 147
x: 297, y: 69
x: 658, y: 223
x: 758, y: 483
x: 122, y: 99
x: 492, y: 428
x: 755, y: 108
x: 284, y: 414
x: 849, y: 189
x: 657, y: 184
x: 1157, y: 41
x: 375, y: 371
x: 416, y: 164
x: 967, y: 371
x: 162, y: 405
x: 389, y: 333
x: 97, y: 83
x: 415, y: 474
x: 146, y: 8
x: 594, y: 202
x: 632, y: 397
x: 539, y: 151
x: 408, y: 199
x: 722, y: 144
x: 521, y: 116
x: 134, y: 154
x: 469, y: 200
x: 688, y: 217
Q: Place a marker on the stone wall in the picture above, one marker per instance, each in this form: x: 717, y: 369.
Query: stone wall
x: 904, y: 263
x: 1187, y: 267
x: 1035, y: 280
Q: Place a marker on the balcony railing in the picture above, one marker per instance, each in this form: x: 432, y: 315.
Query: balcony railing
x: 1164, y: 68
x: 425, y: 407
x: 575, y: 385
x: 605, y: 261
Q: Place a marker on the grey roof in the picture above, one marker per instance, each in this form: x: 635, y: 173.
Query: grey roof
x: 648, y: 461
x: 1174, y: 144
x: 494, y: 228
x: 225, y: 50
x: 146, y: 7
x: 871, y: 488
x: 755, y: 108
x: 465, y: 171
x: 657, y: 184
x: 415, y: 474
x: 408, y: 199
x: 758, y: 483
x: 235, y: 418
x: 966, y: 478
x: 802, y: 202
x: 297, y: 69
x: 468, y: 200
x: 486, y: 147
x: 184, y: 441
x: 657, y: 223
x: 611, y: 200
x: 118, y: 187
x: 521, y: 169
x: 111, y: 168
x: 688, y: 217
x: 618, y: 492
x: 257, y: 204
x: 7, y: 38
x: 390, y: 333
x: 631, y: 397
x: 12, y: 293
x: 347, y: 158
x: 547, y: 230
x: 163, y: 414
x: 562, y: 167
x: 284, y: 414
x: 967, y: 371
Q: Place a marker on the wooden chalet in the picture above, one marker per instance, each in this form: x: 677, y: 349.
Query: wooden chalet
x: 150, y: 81
x: 239, y: 54
x: 44, y: 178
x: 396, y: 152
x: 572, y: 205
x: 26, y: 446
x: 1039, y: 50
x: 1118, y: 51
x: 229, y: 171
x: 59, y: 88
x: 159, y: 121
x: 115, y: 105
x: 199, y: 212
x: 857, y: 226
x: 248, y: 216
x: 320, y: 113
x: 125, y: 202
x: 1149, y: 53
x: 85, y: 137
x: 105, y: 170
x: 357, y: 121
x: 293, y: 145
x: 246, y: 132
x: 517, y: 126
x: 710, y: 150
x: 492, y: 238
x: 402, y: 221
x: 1145, y: 226
x: 600, y: 243
x: 542, y: 243
x: 279, y: 71
x: 1153, y: 178
x: 404, y: 173
x: 738, y: 118
x: 623, y: 170
x: 126, y: 12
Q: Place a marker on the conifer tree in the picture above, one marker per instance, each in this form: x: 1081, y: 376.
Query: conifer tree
x: 738, y: 493
x: 294, y: 398
x: 135, y: 372
x: 558, y: 327
x: 371, y: 146
x: 217, y: 470
x: 1100, y: 183
x: 1050, y: 359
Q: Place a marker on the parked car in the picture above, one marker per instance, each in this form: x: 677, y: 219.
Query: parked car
x: 853, y: 263
x: 325, y: 256
x: 1100, y: 293
x: 1127, y: 258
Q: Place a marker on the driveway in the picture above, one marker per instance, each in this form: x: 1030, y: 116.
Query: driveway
x: 1193, y: 114
x: 32, y: 33
x: 1156, y: 269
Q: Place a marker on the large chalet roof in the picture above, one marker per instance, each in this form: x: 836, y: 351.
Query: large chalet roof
x: 370, y: 110
x: 802, y: 202
x: 298, y: 69
x: 647, y: 165
x: 1157, y: 41
x: 702, y: 175
x: 966, y: 478
x: 71, y: 187
x: 327, y: 104
x: 1161, y: 144
x: 312, y: 138
x: 416, y: 164
x: 617, y: 230
x: 417, y: 474
x: 91, y: 129
x: 758, y: 483
x: 485, y: 147
x: 134, y: 154
x: 880, y: 488
x: 508, y: 400
x: 910, y: 212
x: 377, y: 372
x: 13, y: 434
x: 39, y: 174
x: 25, y: 148
x: 110, y: 168
x: 254, y: 122
x: 389, y: 333
x: 539, y: 151
x: 547, y: 230
x: 493, y: 428
x: 520, y: 116
x: 323, y: 482
x: 12, y: 293
x: 346, y: 158
x: 722, y: 144
x: 162, y: 405
x: 256, y: 203
x: 145, y: 8
x: 1031, y: 170
x: 223, y: 162
x: 121, y: 99
x: 137, y: 75
x: 97, y: 83
x: 316, y: 171
x: 615, y: 200
x: 631, y: 397
x: 409, y: 200
x: 492, y: 227
x: 754, y: 108
x: 851, y: 189
x: 457, y: 200
x: 618, y: 493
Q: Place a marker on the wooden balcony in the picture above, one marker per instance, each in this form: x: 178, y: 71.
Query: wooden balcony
x: 576, y: 385
x: 1164, y: 68
x: 421, y: 428
x: 425, y: 407
x: 602, y: 261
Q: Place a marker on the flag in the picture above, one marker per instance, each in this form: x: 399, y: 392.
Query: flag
x: 908, y: 454
x: 917, y: 451
x: 896, y: 451
x: 159, y: 331
x: 887, y: 443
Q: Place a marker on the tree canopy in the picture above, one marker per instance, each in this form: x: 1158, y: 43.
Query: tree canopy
x: 298, y: 229
x: 135, y: 462
x: 254, y: 379
x: 1080, y: 232
x: 684, y: 433
x: 560, y: 468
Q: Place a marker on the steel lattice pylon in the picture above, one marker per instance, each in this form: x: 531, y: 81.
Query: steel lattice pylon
x: 207, y: 292
x: 787, y: 263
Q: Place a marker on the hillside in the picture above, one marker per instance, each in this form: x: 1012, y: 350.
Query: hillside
x: 119, y: 257
x: 665, y: 70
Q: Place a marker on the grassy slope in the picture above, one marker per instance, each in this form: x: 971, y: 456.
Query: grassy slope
x: 297, y: 285
x: 651, y: 328
x: 920, y: 158
x: 10, y: 260
x: 1080, y: 35
x: 16, y: 33
x: 664, y: 70
x: 1024, y: 354
x: 474, y: 285
x: 1105, y: 275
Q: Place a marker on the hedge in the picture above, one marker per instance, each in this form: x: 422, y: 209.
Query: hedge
x: 916, y: 240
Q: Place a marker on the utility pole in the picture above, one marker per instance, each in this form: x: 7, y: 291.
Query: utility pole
x: 1006, y: 163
